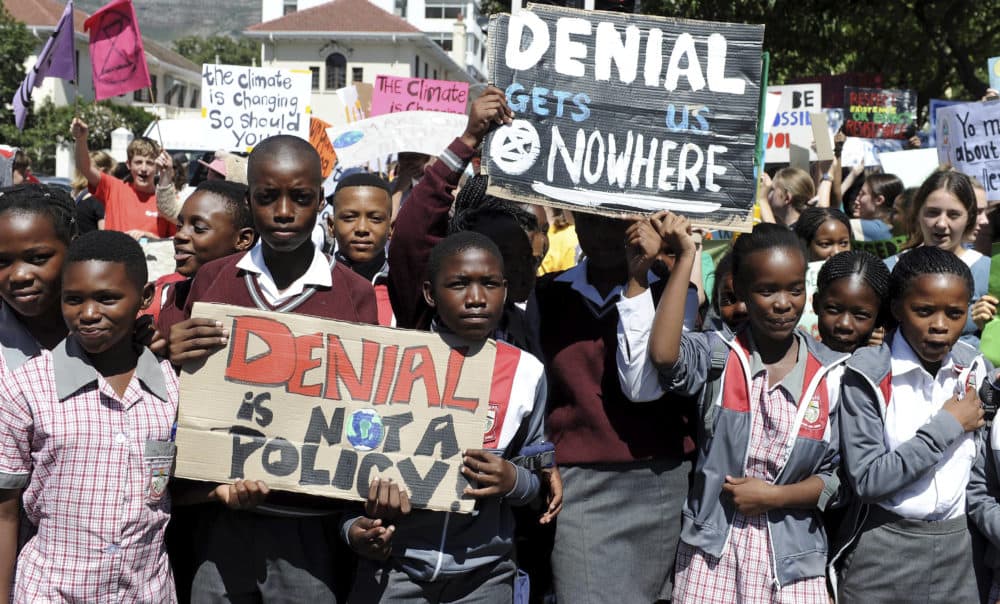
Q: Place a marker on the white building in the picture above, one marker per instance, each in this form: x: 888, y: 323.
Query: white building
x: 436, y: 18
x: 347, y: 41
x: 176, y: 82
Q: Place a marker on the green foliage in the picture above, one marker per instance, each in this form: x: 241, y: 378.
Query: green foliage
x: 49, y: 126
x: 230, y: 51
x: 16, y: 43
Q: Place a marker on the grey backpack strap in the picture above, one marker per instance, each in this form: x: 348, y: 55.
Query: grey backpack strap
x: 719, y: 354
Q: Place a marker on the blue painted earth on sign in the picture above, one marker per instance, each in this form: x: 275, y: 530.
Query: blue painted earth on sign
x: 365, y: 430
x: 348, y: 138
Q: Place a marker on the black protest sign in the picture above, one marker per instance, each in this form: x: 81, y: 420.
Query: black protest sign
x: 618, y: 113
x: 879, y: 113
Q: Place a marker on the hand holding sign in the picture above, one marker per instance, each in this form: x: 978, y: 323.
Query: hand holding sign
x: 495, y: 476
x: 241, y: 495
x: 195, y: 339
x: 490, y: 108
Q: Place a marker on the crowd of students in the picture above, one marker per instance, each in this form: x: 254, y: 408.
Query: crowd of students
x: 796, y: 422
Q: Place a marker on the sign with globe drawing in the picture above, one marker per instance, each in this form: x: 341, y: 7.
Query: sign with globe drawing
x: 322, y: 407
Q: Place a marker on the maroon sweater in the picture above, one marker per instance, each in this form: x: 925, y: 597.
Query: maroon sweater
x: 422, y: 222
x: 350, y: 299
x: 589, y: 418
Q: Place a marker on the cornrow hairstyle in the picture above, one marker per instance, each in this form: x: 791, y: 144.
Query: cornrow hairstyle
x: 863, y: 264
x: 111, y: 246
x: 722, y: 269
x: 457, y: 243
x: 491, y: 209
x: 811, y: 219
x: 765, y: 236
x: 234, y: 195
x: 956, y: 184
x: 472, y: 194
x: 927, y: 260
x: 52, y: 202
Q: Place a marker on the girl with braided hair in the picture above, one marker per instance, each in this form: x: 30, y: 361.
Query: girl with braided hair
x: 823, y: 233
x: 37, y: 224
x: 909, y: 415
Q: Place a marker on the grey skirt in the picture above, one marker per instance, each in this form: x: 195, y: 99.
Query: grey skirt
x: 906, y: 561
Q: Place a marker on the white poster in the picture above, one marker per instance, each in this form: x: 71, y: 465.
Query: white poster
x: 375, y: 138
x: 792, y: 124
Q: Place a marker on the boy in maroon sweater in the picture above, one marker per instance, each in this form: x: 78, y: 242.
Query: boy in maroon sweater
x: 260, y: 546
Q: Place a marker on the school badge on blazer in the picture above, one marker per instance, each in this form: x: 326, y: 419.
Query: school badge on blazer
x: 812, y: 411
x: 159, y: 460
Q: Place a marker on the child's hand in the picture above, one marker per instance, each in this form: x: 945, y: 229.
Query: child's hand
x: 968, y: 410
x: 241, y: 495
x: 195, y: 339
x: 984, y: 310
x: 642, y: 245
x: 752, y: 496
x: 386, y: 501
x: 369, y: 539
x: 676, y: 232
x: 495, y: 476
x: 877, y: 337
x: 490, y: 108
x: 165, y: 165
x: 553, y: 496
x: 79, y: 129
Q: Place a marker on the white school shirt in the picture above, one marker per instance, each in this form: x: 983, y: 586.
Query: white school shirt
x: 916, y: 397
x: 318, y: 273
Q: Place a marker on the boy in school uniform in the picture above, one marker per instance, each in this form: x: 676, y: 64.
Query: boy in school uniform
x: 271, y: 547
x: 464, y: 558
x: 360, y: 224
x: 129, y: 207
x: 85, y: 439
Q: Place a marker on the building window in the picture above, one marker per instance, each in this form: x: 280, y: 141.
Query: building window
x: 442, y: 40
x: 142, y: 95
x: 357, y: 74
x: 290, y: 6
x: 416, y: 66
x: 314, y: 70
x: 401, y: 8
x: 195, y: 98
x: 435, y: 74
x: 336, y: 71
x: 443, y: 9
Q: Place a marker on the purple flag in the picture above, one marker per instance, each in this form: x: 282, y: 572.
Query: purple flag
x: 57, y: 60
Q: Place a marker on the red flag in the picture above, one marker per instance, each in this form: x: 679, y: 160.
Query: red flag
x: 117, y: 58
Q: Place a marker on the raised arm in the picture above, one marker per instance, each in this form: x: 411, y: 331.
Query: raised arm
x: 668, y: 323
x: 166, y: 194
x: 80, y: 130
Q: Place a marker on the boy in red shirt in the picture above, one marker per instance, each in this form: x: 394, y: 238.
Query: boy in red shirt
x: 128, y: 207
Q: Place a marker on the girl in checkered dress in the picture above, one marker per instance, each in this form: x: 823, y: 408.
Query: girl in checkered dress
x: 752, y: 530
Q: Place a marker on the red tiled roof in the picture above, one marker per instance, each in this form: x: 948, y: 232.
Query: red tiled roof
x: 339, y: 16
x: 43, y: 13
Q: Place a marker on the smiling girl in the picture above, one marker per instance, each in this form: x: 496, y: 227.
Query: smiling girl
x: 944, y: 214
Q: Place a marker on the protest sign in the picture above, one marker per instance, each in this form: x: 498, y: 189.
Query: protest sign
x: 321, y: 142
x: 993, y: 67
x: 376, y: 138
x: 822, y: 136
x: 879, y: 113
x: 792, y: 124
x: 245, y: 105
x: 967, y: 140
x: 393, y: 94
x: 618, y: 113
x: 322, y: 407
x: 912, y: 166
x: 117, y: 57
x: 934, y: 105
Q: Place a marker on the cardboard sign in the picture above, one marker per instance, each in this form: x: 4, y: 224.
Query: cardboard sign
x: 967, y: 140
x: 321, y: 142
x: 393, y: 94
x: 993, y: 67
x: 821, y: 136
x: 618, y: 113
x: 322, y: 407
x: 879, y: 113
x: 912, y: 166
x: 792, y: 123
x: 376, y: 138
x: 245, y: 105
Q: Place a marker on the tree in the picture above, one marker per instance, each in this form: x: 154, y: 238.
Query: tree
x: 16, y: 44
x: 229, y: 51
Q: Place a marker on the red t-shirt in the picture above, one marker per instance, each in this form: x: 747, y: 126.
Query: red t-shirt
x: 127, y: 209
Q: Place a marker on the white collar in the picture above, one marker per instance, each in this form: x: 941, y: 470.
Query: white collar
x: 318, y: 274
x: 905, y: 360
x: 577, y: 279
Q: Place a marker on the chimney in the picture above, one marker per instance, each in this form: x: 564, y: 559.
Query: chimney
x: 458, y: 42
